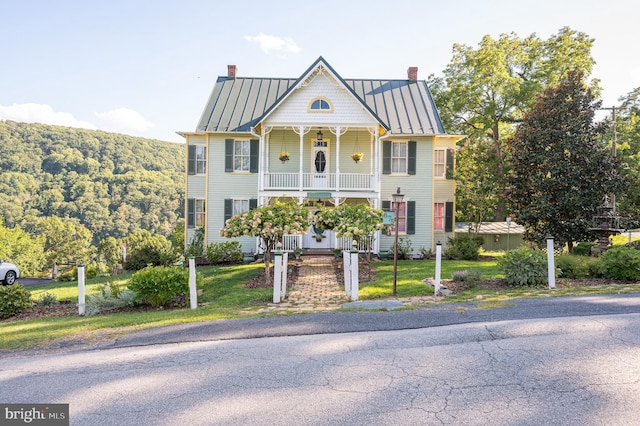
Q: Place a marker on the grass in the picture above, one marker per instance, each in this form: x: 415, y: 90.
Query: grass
x: 224, y: 297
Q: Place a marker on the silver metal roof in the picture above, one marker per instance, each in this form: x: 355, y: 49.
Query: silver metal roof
x: 402, y: 106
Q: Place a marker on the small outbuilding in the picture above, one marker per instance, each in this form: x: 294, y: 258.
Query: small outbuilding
x: 497, y: 236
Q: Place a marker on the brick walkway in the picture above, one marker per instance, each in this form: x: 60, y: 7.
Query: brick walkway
x: 317, y: 288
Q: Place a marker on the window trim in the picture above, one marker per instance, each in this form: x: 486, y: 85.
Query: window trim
x: 197, y: 163
x: 443, y: 163
x: 195, y: 217
x: 439, y: 218
x: 246, y: 142
x: 405, y: 157
x: 320, y: 99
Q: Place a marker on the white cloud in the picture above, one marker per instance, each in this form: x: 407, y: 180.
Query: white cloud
x: 270, y: 43
x: 38, y: 113
x: 125, y: 118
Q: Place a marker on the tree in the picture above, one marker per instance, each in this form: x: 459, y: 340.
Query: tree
x: 354, y: 221
x: 270, y: 224
x: 485, y: 91
x: 110, y: 252
x: 66, y: 241
x: 561, y: 169
x: 20, y: 248
x: 145, y: 248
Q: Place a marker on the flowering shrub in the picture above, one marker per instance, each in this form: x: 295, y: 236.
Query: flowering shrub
x: 269, y: 223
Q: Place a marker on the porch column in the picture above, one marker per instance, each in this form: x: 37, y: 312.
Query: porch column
x: 301, y: 176
x: 376, y: 167
x: 261, y: 160
x: 338, y: 158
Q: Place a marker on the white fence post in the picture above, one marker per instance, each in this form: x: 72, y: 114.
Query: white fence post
x: 353, y: 272
x: 277, y: 276
x: 551, y: 263
x: 346, y: 264
x: 193, y: 294
x: 285, y: 272
x: 436, y: 288
x: 81, y: 301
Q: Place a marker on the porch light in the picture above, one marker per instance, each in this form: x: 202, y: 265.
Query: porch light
x: 319, y: 135
x: 397, y: 199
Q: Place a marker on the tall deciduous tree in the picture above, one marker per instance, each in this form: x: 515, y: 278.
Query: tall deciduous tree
x: 66, y: 241
x: 486, y: 90
x: 561, y: 168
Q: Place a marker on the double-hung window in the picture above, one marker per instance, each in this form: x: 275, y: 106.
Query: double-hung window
x: 241, y: 156
x: 439, y: 163
x: 240, y: 206
x: 196, y: 212
x: 438, y: 216
x: 402, y: 216
x: 398, y: 157
x: 197, y: 159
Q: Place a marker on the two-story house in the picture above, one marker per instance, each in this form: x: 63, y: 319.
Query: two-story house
x: 321, y: 139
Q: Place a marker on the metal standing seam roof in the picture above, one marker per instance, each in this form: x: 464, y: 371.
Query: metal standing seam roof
x: 404, y: 106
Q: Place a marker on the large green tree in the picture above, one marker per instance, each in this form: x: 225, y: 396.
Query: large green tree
x: 20, y: 248
x: 561, y: 169
x: 486, y: 90
x: 66, y: 241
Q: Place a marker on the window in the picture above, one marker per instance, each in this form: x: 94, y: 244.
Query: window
x: 439, y: 163
x: 320, y: 105
x: 438, y: 216
x: 195, y: 212
x: 197, y: 159
x: 402, y: 217
x: 240, y: 206
x: 241, y: 156
x: 398, y: 157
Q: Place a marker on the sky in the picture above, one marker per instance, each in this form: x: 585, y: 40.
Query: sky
x: 147, y: 68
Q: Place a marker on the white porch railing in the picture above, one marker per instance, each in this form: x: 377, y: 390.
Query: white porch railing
x: 290, y: 242
x: 365, y: 244
x: 310, y: 181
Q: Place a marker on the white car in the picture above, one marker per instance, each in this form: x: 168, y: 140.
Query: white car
x: 9, y: 273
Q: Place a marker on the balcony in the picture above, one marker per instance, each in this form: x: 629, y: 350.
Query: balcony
x: 317, y: 181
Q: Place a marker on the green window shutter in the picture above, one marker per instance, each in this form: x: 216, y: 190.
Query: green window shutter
x: 411, y: 217
x: 192, y: 160
x: 228, y: 209
x: 386, y: 206
x: 191, y: 213
x: 448, y: 216
x: 228, y: 155
x: 386, y: 157
x: 254, y: 150
x: 253, y: 203
x: 449, y: 165
x: 412, y: 151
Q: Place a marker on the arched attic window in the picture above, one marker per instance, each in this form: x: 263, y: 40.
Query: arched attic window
x: 320, y: 104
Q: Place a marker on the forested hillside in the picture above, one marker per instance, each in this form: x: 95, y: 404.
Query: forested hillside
x: 113, y: 184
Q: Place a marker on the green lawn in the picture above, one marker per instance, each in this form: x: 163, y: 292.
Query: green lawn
x: 225, y: 296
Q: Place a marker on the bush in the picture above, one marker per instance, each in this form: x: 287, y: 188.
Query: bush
x: 633, y: 244
x: 573, y: 267
x: 146, y: 249
x: 622, y: 263
x: 404, y: 248
x: 463, y: 247
x: 14, y: 299
x: 108, y: 298
x: 158, y: 286
x: 196, y: 246
x: 471, y: 277
x: 47, y: 299
x: 595, y: 268
x: 524, y: 266
x: 583, y: 249
x: 224, y: 252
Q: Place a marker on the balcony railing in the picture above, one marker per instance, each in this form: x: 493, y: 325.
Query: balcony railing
x: 311, y: 181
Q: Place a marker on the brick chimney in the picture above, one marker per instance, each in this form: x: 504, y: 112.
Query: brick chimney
x: 412, y: 73
x: 232, y: 70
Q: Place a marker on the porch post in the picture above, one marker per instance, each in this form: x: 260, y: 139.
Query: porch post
x: 338, y: 158
x: 376, y: 164
x: 301, y: 186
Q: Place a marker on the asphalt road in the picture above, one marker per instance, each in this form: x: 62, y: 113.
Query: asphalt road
x: 574, y: 370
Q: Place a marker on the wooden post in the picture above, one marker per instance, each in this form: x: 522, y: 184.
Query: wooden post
x: 551, y: 263
x: 277, y: 276
x: 81, y: 298
x: 353, y: 272
x: 193, y: 294
x: 436, y: 288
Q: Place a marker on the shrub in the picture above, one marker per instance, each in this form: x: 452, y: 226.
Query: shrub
x: 524, y: 266
x: 583, y: 249
x: 146, y: 249
x: 633, y: 244
x: 463, y: 247
x: 196, y: 246
x: 573, y: 267
x: 224, y: 252
x: 621, y: 263
x: 108, y: 298
x: 404, y: 248
x: 472, y: 276
x: 70, y: 275
x: 595, y: 268
x: 47, y: 299
x: 158, y: 286
x: 14, y: 299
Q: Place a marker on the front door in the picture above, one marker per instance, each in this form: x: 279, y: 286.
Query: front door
x: 320, y: 163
